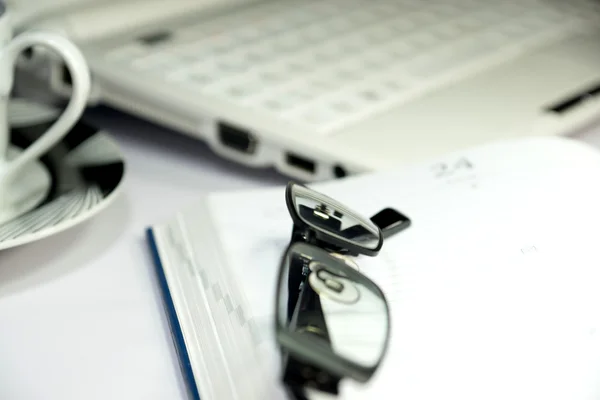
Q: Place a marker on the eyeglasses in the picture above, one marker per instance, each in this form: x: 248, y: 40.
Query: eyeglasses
x: 324, y: 303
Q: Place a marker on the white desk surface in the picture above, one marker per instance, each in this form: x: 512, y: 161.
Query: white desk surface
x: 81, y: 315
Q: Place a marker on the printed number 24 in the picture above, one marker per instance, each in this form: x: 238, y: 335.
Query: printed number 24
x: 448, y: 169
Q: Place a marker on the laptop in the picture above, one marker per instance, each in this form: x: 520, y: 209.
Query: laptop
x: 320, y: 89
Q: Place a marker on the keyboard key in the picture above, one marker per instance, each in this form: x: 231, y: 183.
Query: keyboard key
x: 242, y: 89
x: 551, y: 16
x: 336, y: 81
x: 537, y: 24
x: 380, y: 34
x: 322, y: 57
x: 386, y: 8
x: 349, y: 73
x: 299, y: 19
x: 354, y: 44
x: 488, y: 17
x: 424, y: 40
x: 299, y: 67
x: 449, y: 59
x: 362, y: 18
x: 126, y: 53
x: 321, y: 86
x: 399, y: 26
x: 201, y: 78
x: 281, y: 102
x: 423, y: 18
x: 371, y: 95
x: 393, y: 85
x: 513, y: 32
x: 287, y: 43
x: 447, y: 31
x: 155, y: 61
x: 318, y: 115
x: 218, y: 44
x: 446, y: 11
x: 256, y: 55
x: 273, y: 77
x: 299, y: 95
x: 248, y: 33
x: 344, y: 106
x: 274, y: 105
x: 340, y: 25
x: 315, y: 33
x: 401, y: 50
x: 377, y: 60
x: 232, y: 65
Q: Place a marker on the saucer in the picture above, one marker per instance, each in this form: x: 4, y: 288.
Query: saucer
x: 78, y: 178
x: 30, y: 188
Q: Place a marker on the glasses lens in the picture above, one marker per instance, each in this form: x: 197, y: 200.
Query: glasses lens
x: 327, y: 215
x: 336, y: 313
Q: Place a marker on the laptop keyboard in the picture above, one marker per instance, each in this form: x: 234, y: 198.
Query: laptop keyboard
x: 326, y: 64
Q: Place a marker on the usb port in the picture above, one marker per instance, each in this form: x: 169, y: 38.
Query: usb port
x: 236, y: 138
x: 302, y: 163
x: 575, y: 100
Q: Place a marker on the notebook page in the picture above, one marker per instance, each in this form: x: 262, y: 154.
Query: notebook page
x: 503, y: 207
x: 495, y: 307
x: 257, y: 222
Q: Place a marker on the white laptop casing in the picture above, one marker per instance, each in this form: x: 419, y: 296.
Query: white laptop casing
x: 507, y: 100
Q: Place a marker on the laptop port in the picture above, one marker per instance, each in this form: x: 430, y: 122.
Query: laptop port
x: 339, y: 171
x: 236, y: 138
x: 302, y: 163
x: 574, y: 100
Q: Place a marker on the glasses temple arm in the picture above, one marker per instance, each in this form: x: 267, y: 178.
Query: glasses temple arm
x: 390, y: 221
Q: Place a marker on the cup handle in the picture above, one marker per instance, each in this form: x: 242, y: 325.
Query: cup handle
x: 81, y: 85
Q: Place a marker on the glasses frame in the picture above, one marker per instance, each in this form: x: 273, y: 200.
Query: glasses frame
x: 323, y: 238
x: 298, y: 351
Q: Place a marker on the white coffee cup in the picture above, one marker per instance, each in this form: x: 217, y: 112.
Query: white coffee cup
x: 22, y: 184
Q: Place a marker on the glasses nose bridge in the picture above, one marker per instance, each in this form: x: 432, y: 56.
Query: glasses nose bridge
x: 323, y: 208
x: 347, y: 259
